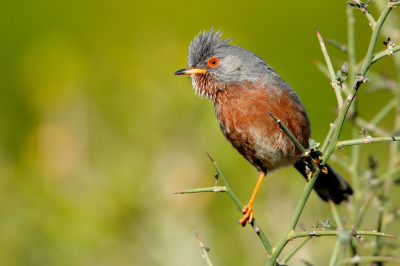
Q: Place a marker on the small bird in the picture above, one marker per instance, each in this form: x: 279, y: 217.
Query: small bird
x: 245, y: 91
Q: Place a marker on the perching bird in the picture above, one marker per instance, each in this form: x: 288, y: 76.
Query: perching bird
x: 245, y: 91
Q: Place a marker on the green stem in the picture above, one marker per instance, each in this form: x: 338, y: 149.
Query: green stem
x: 295, y: 235
x: 378, y: 25
x: 367, y: 63
x: 338, y: 222
x: 293, y: 251
x: 343, y: 162
x: 295, y: 141
x: 332, y: 74
x: 355, y: 151
x: 387, y: 182
x: 292, y: 224
x: 289, y: 134
x: 235, y: 199
x: 205, y: 250
x: 336, y: 132
x: 363, y: 210
x: 328, y: 138
x: 384, y: 111
x: 335, y: 213
x: 199, y: 190
x: 370, y: 18
x: 370, y: 127
x: 341, y: 144
x: 385, y: 53
x: 358, y: 259
x: 335, y: 253
x: 352, y: 64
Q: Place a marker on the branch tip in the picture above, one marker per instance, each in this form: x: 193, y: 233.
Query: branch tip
x: 212, y: 160
x: 274, y: 117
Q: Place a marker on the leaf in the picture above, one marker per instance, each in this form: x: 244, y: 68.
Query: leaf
x: 345, y: 68
x: 327, y: 222
x: 313, y: 144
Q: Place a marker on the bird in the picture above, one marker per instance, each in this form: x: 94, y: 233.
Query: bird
x: 245, y: 92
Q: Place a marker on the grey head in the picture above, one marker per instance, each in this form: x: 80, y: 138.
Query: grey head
x: 214, y: 64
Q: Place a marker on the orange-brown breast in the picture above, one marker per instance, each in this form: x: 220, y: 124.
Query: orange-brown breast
x: 242, y: 111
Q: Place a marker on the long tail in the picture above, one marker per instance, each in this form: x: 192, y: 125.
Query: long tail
x: 328, y: 186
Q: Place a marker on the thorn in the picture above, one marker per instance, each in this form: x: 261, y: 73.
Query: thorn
x: 198, y: 239
x: 212, y: 160
x: 319, y: 36
x: 176, y: 192
x: 274, y: 117
x: 201, y: 243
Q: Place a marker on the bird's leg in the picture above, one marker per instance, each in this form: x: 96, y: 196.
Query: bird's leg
x: 248, y: 209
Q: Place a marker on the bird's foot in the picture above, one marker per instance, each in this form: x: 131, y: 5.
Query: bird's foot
x: 248, y: 215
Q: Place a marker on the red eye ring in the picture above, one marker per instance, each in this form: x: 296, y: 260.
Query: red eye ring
x: 213, y: 62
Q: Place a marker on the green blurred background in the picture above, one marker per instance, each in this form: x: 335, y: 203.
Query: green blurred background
x: 96, y: 132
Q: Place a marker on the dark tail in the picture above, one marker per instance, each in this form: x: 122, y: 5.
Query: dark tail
x: 328, y: 186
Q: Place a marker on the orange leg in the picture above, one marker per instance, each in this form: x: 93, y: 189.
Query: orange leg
x: 248, y: 209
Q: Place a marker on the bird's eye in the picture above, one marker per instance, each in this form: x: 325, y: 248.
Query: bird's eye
x: 213, y: 62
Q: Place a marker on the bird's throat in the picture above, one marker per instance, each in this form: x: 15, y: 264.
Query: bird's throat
x: 204, y: 86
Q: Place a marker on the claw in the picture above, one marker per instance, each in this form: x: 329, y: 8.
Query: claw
x: 251, y: 217
x: 248, y: 215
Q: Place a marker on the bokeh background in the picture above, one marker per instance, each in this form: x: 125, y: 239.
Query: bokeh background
x: 96, y: 132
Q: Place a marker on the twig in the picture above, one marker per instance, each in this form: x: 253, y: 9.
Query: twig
x: 384, y: 111
x: 335, y: 252
x: 295, y: 141
x: 335, y: 213
x: 343, y: 161
x: 358, y: 259
x: 342, y: 47
x: 328, y: 137
x: 370, y: 127
x: 363, y: 209
x: 385, y: 53
x: 395, y: 3
x: 370, y: 18
x: 355, y: 150
x: 293, y: 251
x: 336, y: 218
x: 205, y: 250
x: 336, y: 233
x: 358, y: 81
x: 199, y: 190
x: 321, y: 67
x: 290, y: 135
x: 233, y: 196
x: 366, y: 140
x: 292, y: 224
x: 374, y: 38
x: 334, y: 82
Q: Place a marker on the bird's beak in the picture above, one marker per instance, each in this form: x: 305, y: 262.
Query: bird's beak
x: 190, y: 71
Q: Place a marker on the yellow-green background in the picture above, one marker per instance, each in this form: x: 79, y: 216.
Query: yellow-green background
x: 96, y: 132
